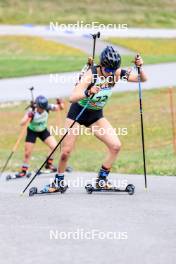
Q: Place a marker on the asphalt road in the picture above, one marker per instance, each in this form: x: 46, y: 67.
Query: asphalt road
x: 55, y: 31
x: 61, y: 85
x: 54, y: 85
x: 85, y: 44
x: 146, y: 220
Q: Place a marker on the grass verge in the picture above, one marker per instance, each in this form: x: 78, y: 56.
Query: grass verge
x: 136, y: 13
x: 153, y: 50
x: 123, y: 112
x: 24, y: 56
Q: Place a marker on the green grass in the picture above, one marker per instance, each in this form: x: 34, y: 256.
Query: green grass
x: 24, y: 56
x: 148, y: 47
x: 18, y: 67
x: 152, y: 50
x: 123, y: 112
x: 136, y: 13
x: 149, y: 59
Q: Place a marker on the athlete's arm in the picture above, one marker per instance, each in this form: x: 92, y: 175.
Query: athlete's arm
x: 127, y: 75
x: 53, y: 107
x: 138, y: 61
x: 134, y: 77
x: 60, y: 103
x: 25, y: 119
x: 79, y: 90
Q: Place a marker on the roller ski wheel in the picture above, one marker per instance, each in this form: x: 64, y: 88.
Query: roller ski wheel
x: 28, y: 175
x: 17, y: 176
x: 69, y: 169
x: 89, y: 188
x: 8, y: 177
x: 33, y: 191
x: 63, y: 189
x: 130, y: 189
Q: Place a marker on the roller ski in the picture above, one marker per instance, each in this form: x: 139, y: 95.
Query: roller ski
x: 58, y: 186
x: 47, y: 171
x: 69, y: 169
x: 50, y: 168
x: 103, y: 185
x: 130, y: 189
x: 19, y: 175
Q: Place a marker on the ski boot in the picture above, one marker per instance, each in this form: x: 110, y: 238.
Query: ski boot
x: 49, y: 166
x: 23, y: 173
x: 102, y: 181
x: 57, y: 185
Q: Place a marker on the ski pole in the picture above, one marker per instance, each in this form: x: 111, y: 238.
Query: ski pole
x: 90, y: 59
x: 21, y: 134
x: 95, y: 36
x: 15, y: 146
x: 32, y: 104
x: 32, y: 95
x: 142, y: 125
x: 172, y: 110
x: 76, y: 119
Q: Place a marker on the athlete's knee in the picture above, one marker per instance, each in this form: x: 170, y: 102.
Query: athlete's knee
x: 116, y: 147
x: 65, y: 154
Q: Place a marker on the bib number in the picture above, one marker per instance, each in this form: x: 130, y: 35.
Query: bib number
x: 103, y: 98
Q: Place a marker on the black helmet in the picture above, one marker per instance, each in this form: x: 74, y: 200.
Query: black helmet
x: 42, y: 102
x: 110, y: 58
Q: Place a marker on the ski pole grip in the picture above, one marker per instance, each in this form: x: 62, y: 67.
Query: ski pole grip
x: 138, y: 67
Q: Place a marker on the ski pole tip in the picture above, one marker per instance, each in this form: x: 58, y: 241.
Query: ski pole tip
x: 145, y: 189
x: 21, y: 194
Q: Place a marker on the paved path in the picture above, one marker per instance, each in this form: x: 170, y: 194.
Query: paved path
x: 46, y: 30
x: 147, y: 219
x: 85, y: 44
x: 80, y: 38
x: 16, y: 88
x: 160, y: 75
